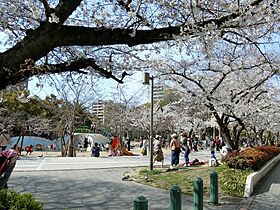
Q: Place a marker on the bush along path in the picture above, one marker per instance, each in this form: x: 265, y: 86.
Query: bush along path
x: 13, y: 200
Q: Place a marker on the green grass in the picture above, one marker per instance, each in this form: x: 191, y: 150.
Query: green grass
x: 230, y: 183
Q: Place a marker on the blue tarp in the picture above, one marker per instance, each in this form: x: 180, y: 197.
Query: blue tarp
x: 36, y: 142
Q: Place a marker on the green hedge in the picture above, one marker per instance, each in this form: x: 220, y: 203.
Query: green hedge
x: 10, y: 200
x: 250, y: 158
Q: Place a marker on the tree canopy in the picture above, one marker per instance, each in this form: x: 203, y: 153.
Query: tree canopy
x: 224, y: 54
x: 105, y: 37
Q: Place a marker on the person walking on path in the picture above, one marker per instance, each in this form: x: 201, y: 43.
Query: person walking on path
x: 158, y: 150
x: 175, y: 150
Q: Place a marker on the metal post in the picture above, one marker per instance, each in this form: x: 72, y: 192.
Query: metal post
x: 175, y: 198
x: 146, y: 80
x: 152, y: 123
x: 198, y: 194
x: 140, y: 203
x: 214, y: 187
x: 21, y: 144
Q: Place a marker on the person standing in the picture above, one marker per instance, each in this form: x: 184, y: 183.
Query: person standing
x: 85, y: 144
x: 212, y: 151
x: 175, y: 150
x: 128, y: 143
x: 144, y: 147
x: 218, y: 143
x: 157, y: 145
x: 186, y: 148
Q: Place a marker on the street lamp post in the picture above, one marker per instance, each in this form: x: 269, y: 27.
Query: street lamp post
x: 146, y: 81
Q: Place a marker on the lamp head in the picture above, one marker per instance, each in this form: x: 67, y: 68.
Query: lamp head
x: 146, y: 78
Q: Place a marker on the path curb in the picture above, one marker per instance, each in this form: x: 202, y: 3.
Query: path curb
x: 255, y: 177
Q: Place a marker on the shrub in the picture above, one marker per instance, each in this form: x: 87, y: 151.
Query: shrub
x: 271, y: 151
x: 250, y: 158
x: 10, y: 200
x: 232, y: 181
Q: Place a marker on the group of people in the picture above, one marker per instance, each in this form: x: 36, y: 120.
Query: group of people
x: 176, y: 146
x: 113, y: 147
x: 182, y: 143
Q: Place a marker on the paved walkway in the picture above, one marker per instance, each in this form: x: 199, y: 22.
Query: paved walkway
x: 267, y: 194
x: 86, y: 183
x: 96, y: 189
x: 35, y: 163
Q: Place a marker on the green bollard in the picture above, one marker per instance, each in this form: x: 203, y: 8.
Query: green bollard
x: 198, y: 194
x: 175, y: 198
x: 214, y: 187
x: 140, y: 203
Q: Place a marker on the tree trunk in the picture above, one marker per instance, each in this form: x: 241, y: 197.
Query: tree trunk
x: 72, y: 151
x: 63, y: 147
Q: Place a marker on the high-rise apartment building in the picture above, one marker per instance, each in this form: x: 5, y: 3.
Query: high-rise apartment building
x: 98, y: 110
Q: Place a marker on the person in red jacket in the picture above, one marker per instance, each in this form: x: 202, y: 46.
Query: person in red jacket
x: 29, y: 149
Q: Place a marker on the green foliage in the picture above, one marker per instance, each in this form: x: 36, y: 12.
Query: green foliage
x: 10, y: 200
x: 82, y: 129
x: 233, y: 181
x: 251, y: 158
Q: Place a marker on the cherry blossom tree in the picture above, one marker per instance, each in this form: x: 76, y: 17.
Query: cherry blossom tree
x: 119, y: 111
x: 265, y: 118
x: 232, y: 84
x: 110, y: 37
x: 140, y: 118
x: 74, y: 98
x: 220, y: 52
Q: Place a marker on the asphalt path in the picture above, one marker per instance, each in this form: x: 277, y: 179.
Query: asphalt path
x: 35, y: 163
x: 86, y: 183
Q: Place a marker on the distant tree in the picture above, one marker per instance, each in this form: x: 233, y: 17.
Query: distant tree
x: 20, y: 110
x: 233, y: 85
x: 72, y: 106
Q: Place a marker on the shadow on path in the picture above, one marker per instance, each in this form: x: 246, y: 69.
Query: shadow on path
x: 96, y: 190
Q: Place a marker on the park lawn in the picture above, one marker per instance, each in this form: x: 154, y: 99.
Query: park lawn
x: 163, y: 178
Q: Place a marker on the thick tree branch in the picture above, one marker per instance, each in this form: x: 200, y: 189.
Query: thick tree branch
x: 83, y: 63
x: 65, y: 8
x: 243, y: 93
x: 48, y: 36
x: 29, y: 69
x: 48, y: 9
